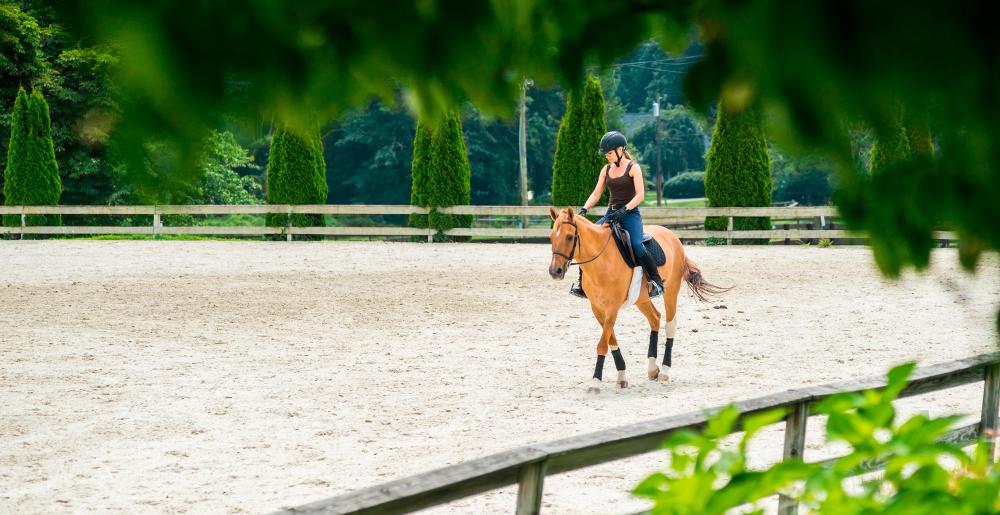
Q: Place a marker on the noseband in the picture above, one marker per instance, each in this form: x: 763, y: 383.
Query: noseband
x: 576, y: 243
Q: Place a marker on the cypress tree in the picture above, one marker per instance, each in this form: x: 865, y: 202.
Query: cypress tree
x: 577, y: 165
x: 738, y: 169
x: 448, y: 180
x: 423, y: 162
x: 296, y: 174
x: 32, y: 174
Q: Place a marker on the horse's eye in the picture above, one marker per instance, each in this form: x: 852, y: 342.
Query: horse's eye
x: 568, y: 237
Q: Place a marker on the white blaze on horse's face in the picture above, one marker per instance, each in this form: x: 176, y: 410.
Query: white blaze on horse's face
x: 562, y: 238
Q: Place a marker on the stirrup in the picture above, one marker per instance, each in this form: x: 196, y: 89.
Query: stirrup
x: 655, y: 289
x: 577, y: 290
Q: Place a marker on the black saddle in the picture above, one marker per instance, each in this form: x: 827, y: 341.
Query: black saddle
x: 624, y: 243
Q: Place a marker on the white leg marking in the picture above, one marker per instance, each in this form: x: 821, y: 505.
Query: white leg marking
x: 671, y: 327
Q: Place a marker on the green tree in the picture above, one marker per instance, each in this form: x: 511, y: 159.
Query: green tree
x: 441, y: 175
x: 31, y: 175
x: 370, y: 154
x: 738, y: 169
x: 21, y: 64
x: 296, y: 173
x: 448, y: 181
x: 220, y: 182
x: 577, y: 165
x: 424, y: 159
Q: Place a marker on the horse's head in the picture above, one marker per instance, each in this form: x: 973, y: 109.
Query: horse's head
x: 565, y: 239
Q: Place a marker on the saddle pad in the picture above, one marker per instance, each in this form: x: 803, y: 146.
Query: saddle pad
x: 634, y: 287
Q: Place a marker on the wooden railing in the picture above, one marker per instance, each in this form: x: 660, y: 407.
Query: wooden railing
x: 529, y: 466
x: 651, y: 215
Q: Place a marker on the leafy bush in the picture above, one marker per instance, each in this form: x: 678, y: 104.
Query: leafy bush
x: 685, y: 185
x: 706, y: 478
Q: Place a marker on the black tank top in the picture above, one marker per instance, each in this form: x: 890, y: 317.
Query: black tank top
x: 622, y: 188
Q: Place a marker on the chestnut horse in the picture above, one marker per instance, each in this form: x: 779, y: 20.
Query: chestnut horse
x: 606, y: 281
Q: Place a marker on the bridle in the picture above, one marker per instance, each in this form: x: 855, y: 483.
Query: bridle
x: 576, y: 243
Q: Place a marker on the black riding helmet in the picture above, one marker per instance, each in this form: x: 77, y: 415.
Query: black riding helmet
x: 611, y: 141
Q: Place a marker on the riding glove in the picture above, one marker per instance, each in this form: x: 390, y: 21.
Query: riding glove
x: 582, y: 211
x: 618, y: 214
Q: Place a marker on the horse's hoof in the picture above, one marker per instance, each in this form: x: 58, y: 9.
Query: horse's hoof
x: 662, y: 377
x: 593, y: 390
x: 652, y: 374
x: 622, y: 384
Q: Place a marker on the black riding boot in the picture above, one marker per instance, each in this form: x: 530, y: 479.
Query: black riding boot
x: 653, y: 274
x: 577, y: 287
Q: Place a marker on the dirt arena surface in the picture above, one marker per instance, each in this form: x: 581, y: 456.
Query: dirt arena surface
x: 244, y: 377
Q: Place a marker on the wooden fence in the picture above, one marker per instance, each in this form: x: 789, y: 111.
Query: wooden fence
x: 654, y: 215
x: 529, y: 466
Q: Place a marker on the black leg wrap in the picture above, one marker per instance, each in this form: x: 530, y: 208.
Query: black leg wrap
x: 599, y: 369
x: 668, y: 348
x: 619, y: 360
x: 653, y: 338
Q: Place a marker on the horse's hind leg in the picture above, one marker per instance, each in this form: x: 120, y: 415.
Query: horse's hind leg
x: 653, y: 317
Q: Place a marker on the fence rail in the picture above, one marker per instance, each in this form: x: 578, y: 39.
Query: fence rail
x: 659, y: 215
x: 528, y: 466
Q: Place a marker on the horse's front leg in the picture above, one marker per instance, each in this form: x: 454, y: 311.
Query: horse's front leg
x: 616, y: 353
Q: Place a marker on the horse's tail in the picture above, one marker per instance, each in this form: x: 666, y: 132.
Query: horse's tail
x: 696, y: 282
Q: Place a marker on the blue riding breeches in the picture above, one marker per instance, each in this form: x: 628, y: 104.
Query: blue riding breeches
x: 632, y: 222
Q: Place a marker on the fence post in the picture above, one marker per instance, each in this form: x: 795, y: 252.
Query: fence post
x: 530, y: 480
x: 991, y: 396
x: 795, y: 440
x: 729, y: 227
x: 23, y: 222
x: 156, y: 222
x: 288, y: 222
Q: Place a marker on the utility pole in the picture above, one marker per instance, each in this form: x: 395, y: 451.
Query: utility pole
x: 522, y: 138
x: 659, y: 168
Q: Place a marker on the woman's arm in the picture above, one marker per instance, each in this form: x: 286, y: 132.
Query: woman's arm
x: 640, y: 188
x: 595, y: 197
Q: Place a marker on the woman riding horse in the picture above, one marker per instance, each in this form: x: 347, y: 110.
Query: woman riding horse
x: 623, y: 177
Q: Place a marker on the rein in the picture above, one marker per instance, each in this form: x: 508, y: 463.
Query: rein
x: 576, y: 243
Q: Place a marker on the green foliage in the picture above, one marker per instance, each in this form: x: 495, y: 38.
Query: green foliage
x: 21, y: 63
x: 682, y: 143
x: 220, y: 183
x: 685, y: 185
x: 811, y: 64
x: 577, y: 165
x: 648, y: 72
x: 805, y: 180
x: 441, y: 174
x: 738, y: 169
x: 918, y: 133
x: 424, y: 159
x: 890, y: 146
x: 706, y: 478
x: 369, y: 154
x: 31, y: 175
x: 296, y: 173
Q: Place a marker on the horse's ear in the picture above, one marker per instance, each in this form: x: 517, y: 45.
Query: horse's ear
x: 569, y: 211
x: 552, y: 213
